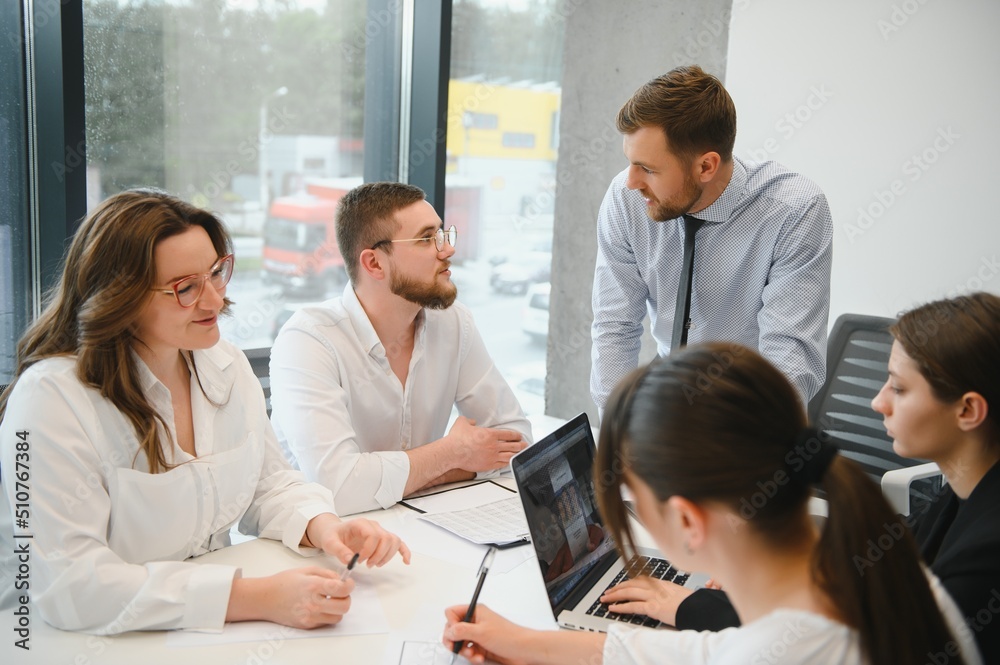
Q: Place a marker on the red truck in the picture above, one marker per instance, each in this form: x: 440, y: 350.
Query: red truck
x: 300, y: 240
x: 300, y: 243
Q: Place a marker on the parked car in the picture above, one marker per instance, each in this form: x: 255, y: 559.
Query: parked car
x: 535, y: 315
x: 515, y: 276
x: 528, y: 383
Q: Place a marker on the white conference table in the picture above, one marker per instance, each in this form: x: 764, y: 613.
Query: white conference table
x: 413, y: 598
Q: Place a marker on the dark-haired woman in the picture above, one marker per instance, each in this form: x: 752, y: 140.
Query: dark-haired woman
x: 942, y: 403
x: 691, y: 460
x: 143, y: 439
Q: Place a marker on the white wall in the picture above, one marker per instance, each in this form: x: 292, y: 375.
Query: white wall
x: 888, y: 80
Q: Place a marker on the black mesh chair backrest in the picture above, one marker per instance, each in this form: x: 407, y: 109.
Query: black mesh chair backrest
x: 857, y: 363
x: 260, y: 361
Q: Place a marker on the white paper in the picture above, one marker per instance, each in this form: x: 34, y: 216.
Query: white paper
x: 459, y: 498
x: 433, y: 541
x: 427, y: 653
x: 365, y: 617
x: 497, y: 522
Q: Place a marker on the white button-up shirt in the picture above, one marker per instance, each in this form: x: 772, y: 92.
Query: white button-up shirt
x: 342, y: 415
x: 110, y: 538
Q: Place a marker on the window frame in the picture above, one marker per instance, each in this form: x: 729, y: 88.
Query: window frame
x: 56, y: 130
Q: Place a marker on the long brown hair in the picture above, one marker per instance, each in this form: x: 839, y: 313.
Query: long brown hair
x: 717, y: 422
x: 956, y: 346
x: 693, y: 109
x: 107, y: 279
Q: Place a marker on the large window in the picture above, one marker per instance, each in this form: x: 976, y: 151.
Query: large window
x: 251, y: 108
x: 503, y: 106
x: 268, y: 111
x: 15, y: 239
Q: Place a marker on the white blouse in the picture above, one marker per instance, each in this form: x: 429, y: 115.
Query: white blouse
x: 784, y: 636
x: 109, y: 538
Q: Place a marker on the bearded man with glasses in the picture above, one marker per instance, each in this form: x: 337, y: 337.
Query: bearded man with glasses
x: 362, y: 386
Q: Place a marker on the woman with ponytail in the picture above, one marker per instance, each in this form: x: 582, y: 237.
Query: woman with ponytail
x: 713, y: 444
x: 940, y: 403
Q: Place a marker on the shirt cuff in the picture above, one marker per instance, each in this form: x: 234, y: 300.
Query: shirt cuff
x: 395, y: 472
x: 208, y: 591
x: 297, y: 523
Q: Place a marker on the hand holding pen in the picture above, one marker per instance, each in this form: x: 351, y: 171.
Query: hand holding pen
x: 484, y: 568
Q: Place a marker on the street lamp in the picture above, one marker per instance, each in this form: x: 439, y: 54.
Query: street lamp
x: 262, y: 140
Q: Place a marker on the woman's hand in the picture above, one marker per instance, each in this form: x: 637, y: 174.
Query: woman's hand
x: 373, y: 544
x: 492, y: 636
x: 645, y: 595
x: 301, y: 598
x: 495, y: 638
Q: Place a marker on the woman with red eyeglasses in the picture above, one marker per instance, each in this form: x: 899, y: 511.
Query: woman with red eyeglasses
x: 147, y: 439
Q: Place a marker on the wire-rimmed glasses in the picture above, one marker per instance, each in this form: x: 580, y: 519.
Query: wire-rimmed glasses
x: 439, y: 238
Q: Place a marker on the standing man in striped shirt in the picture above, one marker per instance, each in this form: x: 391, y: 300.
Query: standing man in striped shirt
x: 713, y: 247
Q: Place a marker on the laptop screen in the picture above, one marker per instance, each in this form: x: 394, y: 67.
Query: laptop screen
x: 555, y: 478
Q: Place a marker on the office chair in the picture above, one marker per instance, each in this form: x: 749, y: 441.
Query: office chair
x: 857, y: 363
x: 260, y: 362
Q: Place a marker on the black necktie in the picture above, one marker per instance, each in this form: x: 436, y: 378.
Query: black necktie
x: 683, y: 310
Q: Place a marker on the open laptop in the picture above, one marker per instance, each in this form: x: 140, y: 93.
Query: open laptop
x: 576, y: 554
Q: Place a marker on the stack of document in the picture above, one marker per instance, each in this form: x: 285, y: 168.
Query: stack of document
x: 485, y: 513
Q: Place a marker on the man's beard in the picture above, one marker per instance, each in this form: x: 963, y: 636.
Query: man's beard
x: 680, y: 204
x: 431, y: 296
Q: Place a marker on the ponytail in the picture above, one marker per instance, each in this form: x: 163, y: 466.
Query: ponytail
x: 868, y: 565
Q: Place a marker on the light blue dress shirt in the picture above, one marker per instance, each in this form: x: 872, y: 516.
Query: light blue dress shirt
x: 761, y: 275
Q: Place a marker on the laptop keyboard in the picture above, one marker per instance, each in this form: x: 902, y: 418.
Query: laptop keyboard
x: 639, y: 565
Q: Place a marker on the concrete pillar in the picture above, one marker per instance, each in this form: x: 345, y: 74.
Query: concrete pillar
x: 611, y: 48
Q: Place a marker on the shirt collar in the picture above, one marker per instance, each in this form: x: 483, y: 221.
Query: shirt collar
x: 214, y: 373
x: 364, y: 329
x: 723, y: 207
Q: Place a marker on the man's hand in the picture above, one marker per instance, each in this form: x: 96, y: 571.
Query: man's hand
x: 482, y: 448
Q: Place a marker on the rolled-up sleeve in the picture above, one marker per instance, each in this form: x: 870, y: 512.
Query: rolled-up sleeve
x: 482, y: 393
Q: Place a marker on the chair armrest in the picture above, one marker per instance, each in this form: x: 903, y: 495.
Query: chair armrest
x: 896, y: 484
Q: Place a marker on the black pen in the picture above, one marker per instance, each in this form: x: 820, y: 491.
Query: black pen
x: 347, y: 573
x: 350, y: 567
x: 484, y: 568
